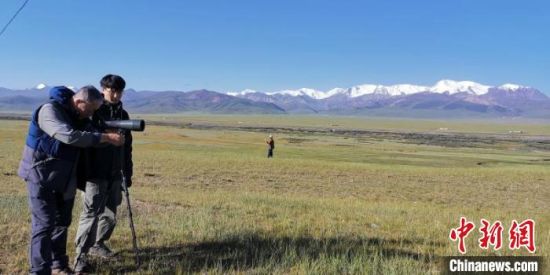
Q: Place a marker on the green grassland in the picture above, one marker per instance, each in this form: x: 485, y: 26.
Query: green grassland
x: 208, y: 200
x: 493, y: 126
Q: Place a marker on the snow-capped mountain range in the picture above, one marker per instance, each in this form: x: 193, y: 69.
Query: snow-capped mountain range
x: 445, y: 99
x: 441, y: 87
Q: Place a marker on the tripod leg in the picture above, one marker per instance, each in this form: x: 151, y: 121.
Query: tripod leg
x: 131, y: 220
x: 127, y: 195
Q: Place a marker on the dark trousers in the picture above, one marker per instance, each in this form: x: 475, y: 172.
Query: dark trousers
x: 269, y: 153
x: 50, y: 217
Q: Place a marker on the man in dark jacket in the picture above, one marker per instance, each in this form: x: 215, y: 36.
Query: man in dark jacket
x: 103, y: 182
x: 57, y: 131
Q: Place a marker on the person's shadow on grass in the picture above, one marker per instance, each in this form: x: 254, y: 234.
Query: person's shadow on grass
x: 252, y: 251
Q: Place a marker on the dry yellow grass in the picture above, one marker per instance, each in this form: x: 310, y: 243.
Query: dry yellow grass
x: 209, y: 201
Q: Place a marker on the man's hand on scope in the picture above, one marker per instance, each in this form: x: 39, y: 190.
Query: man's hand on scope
x: 115, y: 139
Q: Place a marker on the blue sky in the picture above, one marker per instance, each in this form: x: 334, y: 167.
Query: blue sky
x: 272, y: 45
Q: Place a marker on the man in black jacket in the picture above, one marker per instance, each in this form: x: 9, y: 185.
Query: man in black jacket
x: 103, y: 180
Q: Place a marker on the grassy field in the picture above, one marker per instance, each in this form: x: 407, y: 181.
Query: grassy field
x: 209, y: 201
x: 492, y: 126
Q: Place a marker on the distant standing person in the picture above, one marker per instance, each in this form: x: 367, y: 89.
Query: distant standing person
x: 270, y: 146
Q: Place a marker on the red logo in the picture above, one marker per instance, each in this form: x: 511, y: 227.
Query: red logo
x: 520, y: 235
x: 523, y: 235
x: 491, y: 235
x: 463, y: 230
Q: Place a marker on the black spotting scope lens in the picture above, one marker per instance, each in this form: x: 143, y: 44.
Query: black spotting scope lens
x: 131, y: 124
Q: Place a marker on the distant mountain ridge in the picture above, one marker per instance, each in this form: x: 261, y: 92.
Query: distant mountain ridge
x: 442, y: 86
x: 446, y: 98
x: 151, y: 102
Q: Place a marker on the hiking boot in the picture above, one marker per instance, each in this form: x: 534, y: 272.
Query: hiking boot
x: 101, y: 250
x: 82, y: 266
x: 62, y: 271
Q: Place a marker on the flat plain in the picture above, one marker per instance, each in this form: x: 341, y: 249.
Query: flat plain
x: 342, y: 194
